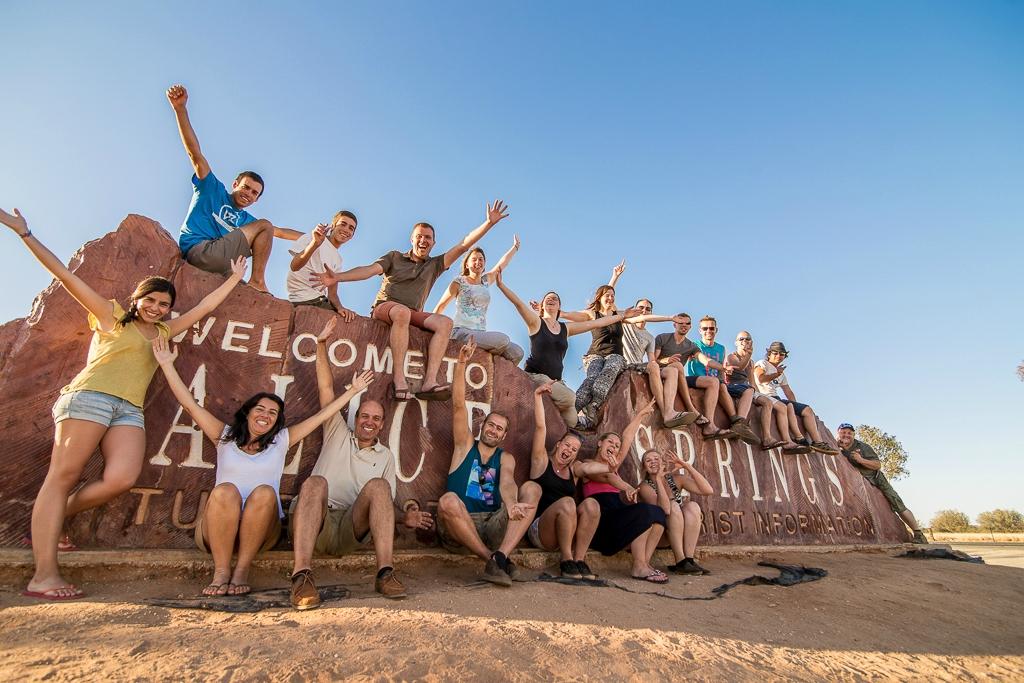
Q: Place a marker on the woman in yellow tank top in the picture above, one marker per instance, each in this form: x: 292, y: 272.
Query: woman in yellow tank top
x: 102, y: 406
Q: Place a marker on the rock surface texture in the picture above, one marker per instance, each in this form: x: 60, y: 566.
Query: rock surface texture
x: 255, y: 342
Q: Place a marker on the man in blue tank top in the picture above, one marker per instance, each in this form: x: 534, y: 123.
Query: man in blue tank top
x: 483, y: 507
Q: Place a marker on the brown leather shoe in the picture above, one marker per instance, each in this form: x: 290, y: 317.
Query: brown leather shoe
x: 304, y: 593
x: 389, y: 586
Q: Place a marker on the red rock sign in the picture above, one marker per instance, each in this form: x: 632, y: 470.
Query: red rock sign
x: 255, y: 342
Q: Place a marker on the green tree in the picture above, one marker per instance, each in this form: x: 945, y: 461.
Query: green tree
x: 952, y: 521
x: 1001, y: 520
x: 890, y: 451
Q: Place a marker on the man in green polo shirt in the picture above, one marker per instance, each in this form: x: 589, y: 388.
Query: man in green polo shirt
x: 406, y: 279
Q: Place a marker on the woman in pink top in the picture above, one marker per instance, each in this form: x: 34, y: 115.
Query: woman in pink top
x: 88, y: 416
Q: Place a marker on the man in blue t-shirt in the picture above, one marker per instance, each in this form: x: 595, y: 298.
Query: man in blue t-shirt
x: 217, y: 228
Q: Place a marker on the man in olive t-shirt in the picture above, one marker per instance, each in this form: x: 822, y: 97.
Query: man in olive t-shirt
x: 406, y: 279
x: 867, y: 462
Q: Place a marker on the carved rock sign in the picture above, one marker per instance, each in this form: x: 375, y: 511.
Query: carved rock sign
x: 255, y: 342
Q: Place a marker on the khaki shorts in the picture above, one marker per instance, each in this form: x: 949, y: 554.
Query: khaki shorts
x: 215, y: 256
x: 337, y: 533
x: 382, y: 312
x: 273, y: 534
x: 490, y: 527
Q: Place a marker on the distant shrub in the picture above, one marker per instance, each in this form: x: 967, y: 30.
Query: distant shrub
x: 950, y: 521
x: 1001, y: 520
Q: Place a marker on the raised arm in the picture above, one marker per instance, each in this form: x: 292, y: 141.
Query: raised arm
x: 450, y: 292
x: 528, y: 315
x: 617, y: 272
x: 538, y: 452
x: 359, y: 383
x: 211, y: 426
x: 605, y: 321
x: 324, y: 377
x: 495, y: 212
x: 692, y: 480
x: 210, y: 301
x: 178, y: 97
x: 506, y: 257
x: 101, y: 308
x: 629, y: 433
x: 461, y: 436
x: 317, y: 238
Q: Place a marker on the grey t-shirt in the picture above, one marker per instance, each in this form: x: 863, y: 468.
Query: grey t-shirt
x: 666, y: 345
x: 636, y: 343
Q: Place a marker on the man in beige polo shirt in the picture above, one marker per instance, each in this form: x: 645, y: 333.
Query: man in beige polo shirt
x: 348, y: 501
x: 406, y: 279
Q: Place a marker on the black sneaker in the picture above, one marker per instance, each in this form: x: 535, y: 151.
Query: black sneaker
x: 569, y: 570
x: 688, y: 566
x: 495, y: 574
x: 585, y: 571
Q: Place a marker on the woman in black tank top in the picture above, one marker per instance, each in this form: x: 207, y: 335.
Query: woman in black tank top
x: 549, y: 343
x: 560, y: 523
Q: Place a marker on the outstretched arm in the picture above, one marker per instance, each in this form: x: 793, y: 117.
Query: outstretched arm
x: 178, y: 97
x: 210, y: 301
x: 509, y: 489
x: 359, y: 383
x: 538, y: 453
x: 329, y: 277
x: 495, y: 212
x: 629, y: 433
x: 101, y: 308
x: 211, y: 426
x: 528, y: 315
x: 450, y: 292
x: 691, y: 480
x: 605, y: 321
x: 324, y: 378
x: 506, y: 257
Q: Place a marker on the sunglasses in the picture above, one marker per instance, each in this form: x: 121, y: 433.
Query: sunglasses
x: 708, y: 329
x: 744, y: 339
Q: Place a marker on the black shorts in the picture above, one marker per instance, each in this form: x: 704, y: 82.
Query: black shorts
x: 798, y: 407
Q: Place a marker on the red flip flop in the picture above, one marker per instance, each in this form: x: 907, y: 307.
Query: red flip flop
x: 51, y: 594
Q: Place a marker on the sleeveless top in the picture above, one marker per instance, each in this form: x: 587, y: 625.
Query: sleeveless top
x: 478, y: 484
x: 471, y: 303
x: 606, y: 340
x: 246, y: 472
x: 553, y: 488
x: 742, y: 375
x: 547, y: 351
x: 592, y: 488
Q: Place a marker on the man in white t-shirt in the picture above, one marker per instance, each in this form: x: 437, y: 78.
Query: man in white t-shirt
x: 348, y: 501
x: 770, y: 378
x: 310, y: 254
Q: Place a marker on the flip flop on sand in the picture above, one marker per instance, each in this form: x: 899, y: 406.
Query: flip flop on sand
x: 217, y: 589
x: 239, y: 589
x: 656, y: 576
x: 53, y: 593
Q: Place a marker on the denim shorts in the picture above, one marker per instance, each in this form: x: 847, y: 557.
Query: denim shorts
x: 798, y: 407
x: 95, y: 406
x: 737, y: 390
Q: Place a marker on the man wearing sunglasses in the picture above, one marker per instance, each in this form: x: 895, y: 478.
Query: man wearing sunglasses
x: 770, y: 377
x: 867, y: 462
x: 738, y: 367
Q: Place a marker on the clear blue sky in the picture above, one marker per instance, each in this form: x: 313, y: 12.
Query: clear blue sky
x: 847, y: 178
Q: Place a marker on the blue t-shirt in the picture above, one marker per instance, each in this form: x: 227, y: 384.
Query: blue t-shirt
x: 211, y: 214
x: 695, y: 368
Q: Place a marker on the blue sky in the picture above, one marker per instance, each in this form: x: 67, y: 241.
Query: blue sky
x: 845, y: 178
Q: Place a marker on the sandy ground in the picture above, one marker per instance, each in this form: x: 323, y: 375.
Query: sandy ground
x: 1005, y: 554
x: 875, y: 617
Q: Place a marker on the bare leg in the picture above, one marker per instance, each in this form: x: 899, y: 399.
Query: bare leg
x: 675, y: 532
x: 220, y: 527
x: 123, y: 448
x: 260, y: 235
x: 451, y: 512
x: 710, y: 387
x: 74, y: 442
x: 441, y: 326
x: 374, y: 511
x: 746, y: 400
x: 638, y: 548
x: 653, y: 539
x: 691, y: 527
x: 660, y: 391
x: 810, y: 421
x: 794, y: 424
x: 399, y: 341
x: 781, y: 412
x: 724, y: 399
x: 529, y: 493
x: 764, y: 412
x: 589, y: 516
x: 683, y: 389
x: 558, y: 525
x: 257, y: 517
x: 307, y: 520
